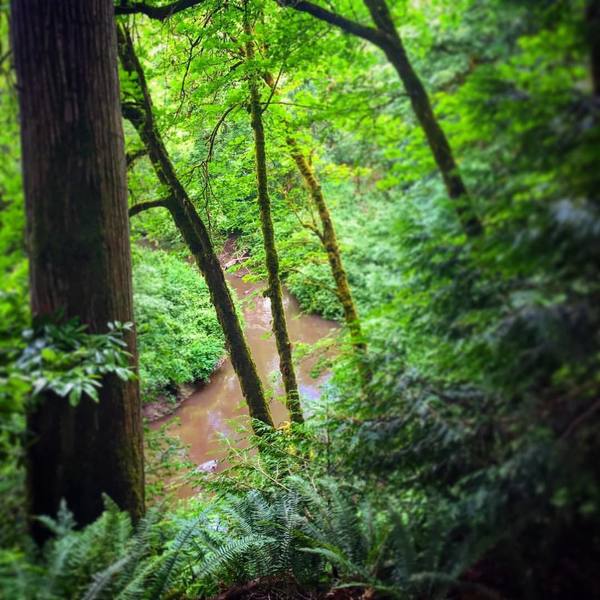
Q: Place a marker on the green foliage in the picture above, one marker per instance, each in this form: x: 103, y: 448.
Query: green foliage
x: 62, y: 359
x: 14, y: 305
x: 316, y: 534
x: 298, y: 536
x: 179, y: 337
x: 107, y: 559
x: 66, y: 360
x: 468, y: 461
x: 484, y: 353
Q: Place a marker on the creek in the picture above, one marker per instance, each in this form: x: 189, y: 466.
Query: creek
x: 214, y: 406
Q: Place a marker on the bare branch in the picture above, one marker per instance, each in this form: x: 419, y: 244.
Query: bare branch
x: 375, y: 36
x: 160, y: 13
x: 136, y: 209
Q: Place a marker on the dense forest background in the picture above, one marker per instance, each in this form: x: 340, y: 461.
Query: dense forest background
x: 423, y: 172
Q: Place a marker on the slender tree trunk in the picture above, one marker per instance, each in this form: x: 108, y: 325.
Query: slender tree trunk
x: 195, y: 234
x: 78, y: 237
x: 436, y: 138
x: 328, y: 239
x: 282, y: 340
x: 592, y: 16
x: 330, y: 243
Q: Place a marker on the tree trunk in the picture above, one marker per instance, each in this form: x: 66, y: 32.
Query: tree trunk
x: 282, y: 340
x: 195, y: 234
x: 328, y: 239
x: 330, y: 243
x: 78, y: 238
x: 592, y: 16
x: 436, y: 138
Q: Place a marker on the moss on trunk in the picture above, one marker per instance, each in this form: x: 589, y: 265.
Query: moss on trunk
x: 282, y: 340
x: 330, y: 243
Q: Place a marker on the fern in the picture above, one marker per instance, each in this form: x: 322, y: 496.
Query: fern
x: 108, y: 559
x: 103, y: 579
x: 311, y: 534
x: 173, y: 560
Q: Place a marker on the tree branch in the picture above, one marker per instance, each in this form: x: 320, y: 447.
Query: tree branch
x: 131, y: 157
x: 370, y: 34
x: 136, y: 209
x: 160, y: 13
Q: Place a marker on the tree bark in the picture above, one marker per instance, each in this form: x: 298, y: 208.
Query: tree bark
x: 160, y: 13
x: 330, y: 243
x: 139, y: 111
x: 78, y: 240
x: 282, y: 340
x: 136, y: 209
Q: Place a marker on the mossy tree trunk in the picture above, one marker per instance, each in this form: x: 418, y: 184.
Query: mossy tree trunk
x: 328, y: 238
x: 274, y: 292
x: 65, y: 56
x: 138, y: 109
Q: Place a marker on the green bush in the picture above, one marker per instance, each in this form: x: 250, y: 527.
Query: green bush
x: 179, y: 337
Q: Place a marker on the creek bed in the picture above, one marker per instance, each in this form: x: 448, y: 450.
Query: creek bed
x: 206, y: 415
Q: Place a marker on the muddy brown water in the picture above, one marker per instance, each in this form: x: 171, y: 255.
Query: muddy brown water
x: 216, y: 406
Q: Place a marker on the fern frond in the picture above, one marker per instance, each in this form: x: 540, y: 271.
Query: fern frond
x: 336, y: 557
x: 103, y: 579
x: 231, y: 557
x: 174, y: 558
x: 136, y: 588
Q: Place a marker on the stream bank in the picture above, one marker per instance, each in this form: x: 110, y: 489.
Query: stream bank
x: 203, y: 413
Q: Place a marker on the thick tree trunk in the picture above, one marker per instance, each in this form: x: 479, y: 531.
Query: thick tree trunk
x: 394, y: 49
x: 195, y: 234
x: 282, y: 340
x: 78, y: 236
x: 330, y: 243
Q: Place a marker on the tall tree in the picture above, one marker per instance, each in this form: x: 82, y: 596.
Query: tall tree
x: 137, y: 108
x: 65, y: 55
x: 274, y: 293
x: 328, y: 238
x: 386, y: 37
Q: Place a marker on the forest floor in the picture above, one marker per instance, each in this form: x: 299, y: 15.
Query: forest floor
x: 271, y: 588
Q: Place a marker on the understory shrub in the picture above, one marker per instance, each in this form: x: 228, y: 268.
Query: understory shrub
x: 179, y: 337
